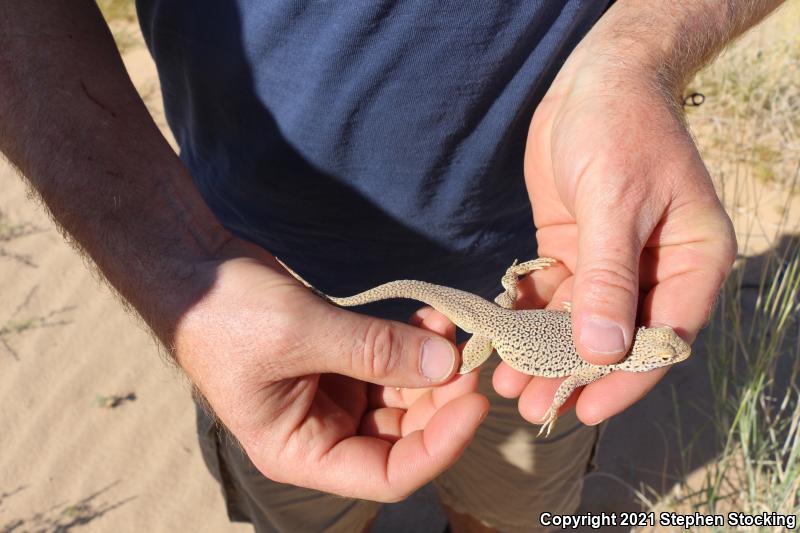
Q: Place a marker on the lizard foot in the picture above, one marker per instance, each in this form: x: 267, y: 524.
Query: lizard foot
x: 548, y: 422
x: 512, y: 276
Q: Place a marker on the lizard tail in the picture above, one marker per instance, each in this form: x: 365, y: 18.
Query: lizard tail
x: 299, y: 278
x: 392, y: 289
x: 411, y: 289
x: 458, y: 305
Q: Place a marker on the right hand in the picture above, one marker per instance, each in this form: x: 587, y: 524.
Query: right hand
x: 309, y: 389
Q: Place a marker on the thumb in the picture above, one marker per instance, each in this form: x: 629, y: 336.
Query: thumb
x: 606, y: 287
x: 385, y: 352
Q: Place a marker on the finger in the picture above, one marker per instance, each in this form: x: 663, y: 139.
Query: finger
x: 378, y: 351
x: 424, y: 408
x: 432, y: 320
x: 380, y: 396
x: 384, y: 423
x: 429, y: 318
x: 614, y: 393
x: 695, y: 270
x: 535, y: 400
x: 613, y: 228
x: 426, y: 318
x: 686, y: 316
x: 507, y: 382
x: 393, y: 422
x: 345, y: 392
x: 406, y: 398
x: 374, y: 469
x: 562, y: 295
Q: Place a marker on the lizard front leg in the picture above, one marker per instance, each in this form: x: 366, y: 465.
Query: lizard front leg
x: 581, y: 377
x: 476, y: 351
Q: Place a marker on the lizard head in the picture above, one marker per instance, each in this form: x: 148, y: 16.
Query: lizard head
x: 654, y: 348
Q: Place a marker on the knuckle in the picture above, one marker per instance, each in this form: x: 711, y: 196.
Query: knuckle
x: 608, y: 281
x: 629, y: 192
x: 378, y: 353
x: 278, y: 324
x: 282, y: 336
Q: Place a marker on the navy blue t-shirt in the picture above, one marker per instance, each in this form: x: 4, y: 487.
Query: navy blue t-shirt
x: 369, y: 140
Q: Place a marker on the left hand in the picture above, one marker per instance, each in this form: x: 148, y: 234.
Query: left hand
x: 621, y: 197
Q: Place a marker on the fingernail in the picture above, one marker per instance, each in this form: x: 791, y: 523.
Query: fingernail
x: 602, y: 336
x: 597, y: 423
x: 438, y: 359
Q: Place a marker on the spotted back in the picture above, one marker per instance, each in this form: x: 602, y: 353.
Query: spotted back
x: 538, y: 342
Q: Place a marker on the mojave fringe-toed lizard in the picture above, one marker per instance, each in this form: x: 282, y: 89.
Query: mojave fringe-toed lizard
x: 536, y: 342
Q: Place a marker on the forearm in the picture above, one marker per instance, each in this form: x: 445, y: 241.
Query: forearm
x: 73, y: 124
x: 674, y: 39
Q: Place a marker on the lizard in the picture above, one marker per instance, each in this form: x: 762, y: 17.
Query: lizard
x: 536, y: 342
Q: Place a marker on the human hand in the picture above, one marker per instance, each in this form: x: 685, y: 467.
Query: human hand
x: 309, y: 390
x: 284, y: 371
x: 621, y: 197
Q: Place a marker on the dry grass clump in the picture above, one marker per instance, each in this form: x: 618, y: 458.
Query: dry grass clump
x: 750, y: 124
x: 121, y: 18
x: 115, y: 10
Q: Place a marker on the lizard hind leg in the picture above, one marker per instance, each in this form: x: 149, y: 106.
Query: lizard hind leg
x: 517, y: 270
x: 476, y: 351
x: 513, y: 273
x: 581, y: 377
x: 526, y: 267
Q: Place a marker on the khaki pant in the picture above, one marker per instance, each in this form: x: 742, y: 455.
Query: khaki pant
x: 505, y: 478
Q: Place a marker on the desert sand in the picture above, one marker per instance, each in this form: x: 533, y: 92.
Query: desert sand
x: 97, y: 431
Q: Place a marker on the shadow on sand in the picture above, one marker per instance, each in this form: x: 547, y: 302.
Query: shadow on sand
x: 63, y: 517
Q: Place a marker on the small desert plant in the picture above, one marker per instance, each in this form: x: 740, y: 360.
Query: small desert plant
x: 14, y: 325
x: 11, y: 231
